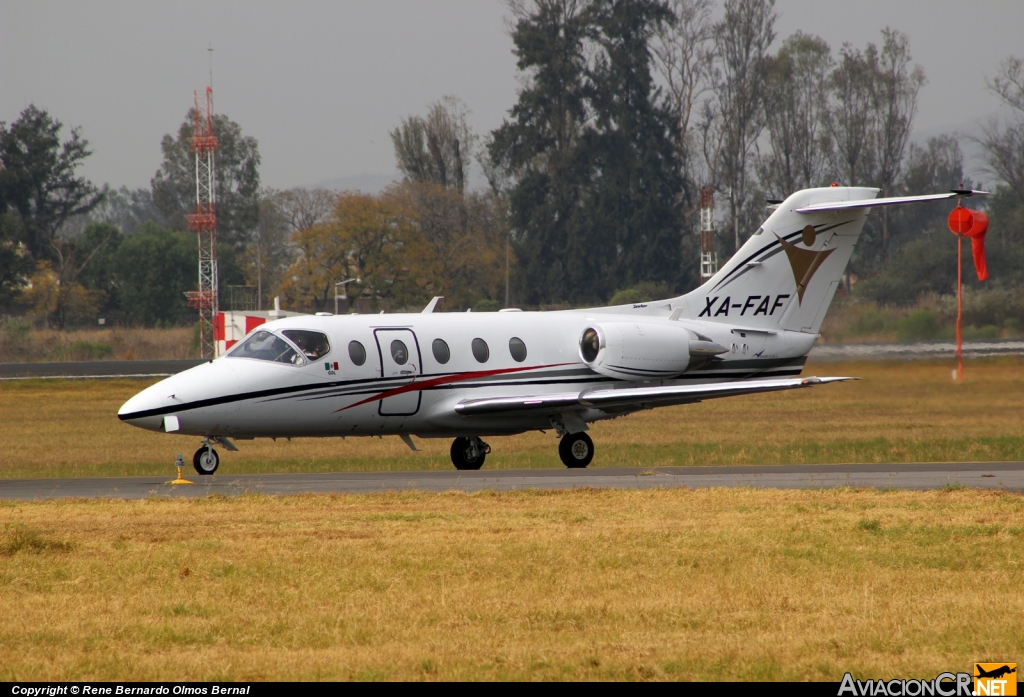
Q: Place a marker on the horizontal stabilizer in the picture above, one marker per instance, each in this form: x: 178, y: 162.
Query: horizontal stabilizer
x: 639, y: 397
x: 888, y: 201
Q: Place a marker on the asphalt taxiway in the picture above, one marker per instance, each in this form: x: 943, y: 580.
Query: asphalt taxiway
x: 1008, y: 476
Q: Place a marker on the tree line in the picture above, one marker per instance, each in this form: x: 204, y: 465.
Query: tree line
x: 627, y: 108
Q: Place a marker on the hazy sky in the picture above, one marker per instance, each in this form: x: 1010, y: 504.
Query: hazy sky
x: 320, y: 84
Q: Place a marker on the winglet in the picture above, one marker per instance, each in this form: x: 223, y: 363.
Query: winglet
x: 430, y: 308
x: 675, y: 314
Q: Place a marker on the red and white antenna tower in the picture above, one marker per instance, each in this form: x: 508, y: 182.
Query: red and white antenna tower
x: 708, y: 248
x: 204, y: 222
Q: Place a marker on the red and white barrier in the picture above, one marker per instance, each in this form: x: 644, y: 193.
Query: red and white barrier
x: 231, y: 327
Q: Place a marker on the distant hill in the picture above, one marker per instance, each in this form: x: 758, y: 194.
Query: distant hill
x: 367, y: 183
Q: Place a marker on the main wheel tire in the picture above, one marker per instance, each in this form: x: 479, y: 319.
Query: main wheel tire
x: 206, y: 461
x: 576, y: 450
x: 460, y: 455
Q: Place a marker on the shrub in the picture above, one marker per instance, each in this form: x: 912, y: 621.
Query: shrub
x: 922, y: 325
x: 83, y: 351
x: 641, y: 292
x: 871, y: 322
x: 487, y: 305
x: 989, y: 331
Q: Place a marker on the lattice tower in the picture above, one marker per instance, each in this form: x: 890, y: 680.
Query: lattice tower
x: 708, y: 248
x: 203, y: 145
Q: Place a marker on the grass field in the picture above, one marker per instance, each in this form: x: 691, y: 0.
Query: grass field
x: 585, y: 584
x: 898, y: 412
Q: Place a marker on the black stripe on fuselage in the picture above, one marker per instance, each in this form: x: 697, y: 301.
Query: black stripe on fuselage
x: 295, y: 390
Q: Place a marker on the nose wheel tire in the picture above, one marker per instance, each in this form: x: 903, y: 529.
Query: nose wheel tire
x: 469, y: 454
x: 576, y: 450
x: 206, y: 461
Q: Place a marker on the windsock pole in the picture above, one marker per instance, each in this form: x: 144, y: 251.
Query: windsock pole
x: 964, y: 222
x: 959, y: 308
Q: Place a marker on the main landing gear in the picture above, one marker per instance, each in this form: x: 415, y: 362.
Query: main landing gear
x: 575, y: 449
x: 469, y: 453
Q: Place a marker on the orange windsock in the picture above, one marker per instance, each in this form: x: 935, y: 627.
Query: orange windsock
x: 960, y: 220
x: 977, y: 235
x: 965, y: 222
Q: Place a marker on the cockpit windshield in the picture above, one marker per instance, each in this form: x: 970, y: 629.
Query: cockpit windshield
x: 313, y: 344
x: 264, y: 346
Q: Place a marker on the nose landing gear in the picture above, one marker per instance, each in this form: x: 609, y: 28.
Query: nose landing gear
x: 469, y: 453
x: 206, y: 460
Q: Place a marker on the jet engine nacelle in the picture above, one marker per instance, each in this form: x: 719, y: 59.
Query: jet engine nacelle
x: 636, y: 351
x: 645, y: 351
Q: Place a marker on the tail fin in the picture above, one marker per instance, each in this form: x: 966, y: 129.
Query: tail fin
x: 785, y: 275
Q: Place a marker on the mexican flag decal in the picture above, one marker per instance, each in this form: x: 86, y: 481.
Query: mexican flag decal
x: 331, y: 366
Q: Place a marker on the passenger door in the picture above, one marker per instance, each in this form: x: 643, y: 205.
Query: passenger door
x: 400, y: 366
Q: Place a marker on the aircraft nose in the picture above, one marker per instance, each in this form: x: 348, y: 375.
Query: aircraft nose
x: 180, y: 396
x: 145, y: 409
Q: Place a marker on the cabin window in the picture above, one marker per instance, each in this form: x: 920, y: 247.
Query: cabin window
x: 264, y: 346
x: 356, y: 353
x: 399, y: 352
x: 313, y: 345
x: 441, y: 352
x: 517, y: 348
x: 480, y: 351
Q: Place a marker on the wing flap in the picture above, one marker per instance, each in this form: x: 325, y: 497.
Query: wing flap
x: 680, y: 394
x: 634, y: 396
x: 504, y: 405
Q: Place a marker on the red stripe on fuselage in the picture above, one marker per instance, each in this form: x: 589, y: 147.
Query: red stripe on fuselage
x: 447, y: 380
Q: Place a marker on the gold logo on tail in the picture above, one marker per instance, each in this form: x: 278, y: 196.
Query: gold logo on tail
x: 804, y: 262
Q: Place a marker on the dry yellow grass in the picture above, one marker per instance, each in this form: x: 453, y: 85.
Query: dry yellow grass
x: 657, y: 584
x: 898, y: 412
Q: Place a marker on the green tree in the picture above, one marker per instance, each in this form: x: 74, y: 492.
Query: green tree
x: 269, y: 253
x: 1003, y: 148
x: 152, y: 269
x: 848, y: 119
x: 16, y: 263
x: 126, y: 209
x: 933, y: 167
x: 590, y: 152
x: 794, y: 99
x: 436, y: 149
x: 894, y: 102
x: 37, y: 179
x: 537, y: 150
x: 634, y: 147
x: 99, y: 243
x: 742, y: 39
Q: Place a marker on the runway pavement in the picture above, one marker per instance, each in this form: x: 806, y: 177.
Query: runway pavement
x: 982, y: 475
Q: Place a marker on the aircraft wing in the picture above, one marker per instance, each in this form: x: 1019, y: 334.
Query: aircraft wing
x: 639, y: 397
x: 888, y: 201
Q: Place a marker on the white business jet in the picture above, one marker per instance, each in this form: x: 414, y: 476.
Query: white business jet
x: 469, y: 376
